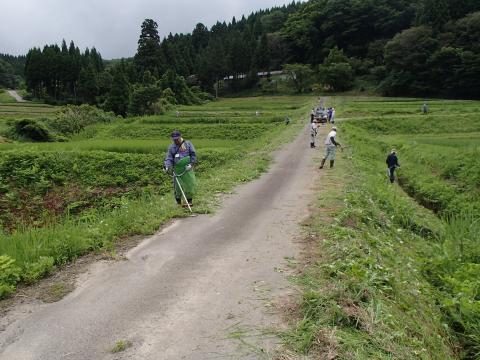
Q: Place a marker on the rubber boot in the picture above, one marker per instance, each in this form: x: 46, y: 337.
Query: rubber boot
x: 331, y: 163
x: 323, y: 163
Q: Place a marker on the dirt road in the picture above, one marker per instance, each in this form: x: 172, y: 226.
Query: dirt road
x: 15, y: 95
x: 202, y: 288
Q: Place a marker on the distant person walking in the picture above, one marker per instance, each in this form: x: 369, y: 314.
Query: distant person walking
x: 180, y: 158
x: 425, y: 108
x: 392, y: 164
x: 329, y: 114
x: 331, y: 144
x: 332, y: 117
x: 312, y: 116
x: 313, y: 133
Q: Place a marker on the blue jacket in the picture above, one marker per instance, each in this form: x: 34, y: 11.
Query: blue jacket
x: 392, y: 161
x: 176, y: 153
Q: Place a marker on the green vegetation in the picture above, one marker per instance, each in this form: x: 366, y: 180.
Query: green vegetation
x: 395, y: 47
x: 66, y: 122
x: 5, y: 97
x: 121, y: 345
x: 19, y: 111
x: 61, y: 200
x: 392, y: 279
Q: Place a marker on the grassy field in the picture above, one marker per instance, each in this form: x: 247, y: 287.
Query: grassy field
x: 395, y: 273
x: 5, y: 97
x: 10, y: 109
x: 59, y: 200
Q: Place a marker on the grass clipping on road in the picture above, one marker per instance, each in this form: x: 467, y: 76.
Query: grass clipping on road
x: 364, y: 294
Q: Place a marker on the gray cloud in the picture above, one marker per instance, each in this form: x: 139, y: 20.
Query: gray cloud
x: 112, y: 26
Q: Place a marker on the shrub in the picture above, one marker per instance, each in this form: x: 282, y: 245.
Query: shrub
x: 72, y: 119
x: 30, y: 129
x: 9, y: 275
x: 38, y: 269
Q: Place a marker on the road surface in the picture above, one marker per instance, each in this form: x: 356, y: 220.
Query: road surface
x: 15, y: 95
x: 202, y: 288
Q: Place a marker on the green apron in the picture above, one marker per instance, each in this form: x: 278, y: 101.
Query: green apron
x: 187, y: 179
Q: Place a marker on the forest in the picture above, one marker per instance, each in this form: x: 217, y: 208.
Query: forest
x: 420, y: 48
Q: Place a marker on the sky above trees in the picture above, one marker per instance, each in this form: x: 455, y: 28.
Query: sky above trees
x: 112, y: 26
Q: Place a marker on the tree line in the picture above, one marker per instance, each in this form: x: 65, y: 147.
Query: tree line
x: 11, y: 70
x: 398, y: 47
x: 65, y: 73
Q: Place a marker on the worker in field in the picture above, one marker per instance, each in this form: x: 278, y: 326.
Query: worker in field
x: 180, y: 158
x: 392, y: 164
x: 425, y: 109
x: 313, y: 133
x: 331, y: 144
x: 329, y: 114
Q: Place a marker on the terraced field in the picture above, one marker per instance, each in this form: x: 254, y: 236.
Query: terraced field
x: 107, y: 181
x: 10, y: 109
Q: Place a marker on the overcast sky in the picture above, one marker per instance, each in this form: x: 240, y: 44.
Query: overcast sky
x: 112, y: 26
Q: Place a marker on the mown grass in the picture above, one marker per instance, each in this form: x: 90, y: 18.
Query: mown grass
x: 393, y: 280
x: 123, y: 194
x: 365, y: 296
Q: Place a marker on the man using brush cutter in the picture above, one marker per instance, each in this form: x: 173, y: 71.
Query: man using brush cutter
x: 180, y: 159
x: 392, y: 164
x: 331, y: 144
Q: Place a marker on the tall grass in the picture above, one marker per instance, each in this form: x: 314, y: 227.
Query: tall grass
x: 444, y: 177
x: 28, y: 253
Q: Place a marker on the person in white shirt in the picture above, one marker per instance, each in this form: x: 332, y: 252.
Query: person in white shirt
x: 313, y: 133
x: 332, y: 118
x: 331, y: 144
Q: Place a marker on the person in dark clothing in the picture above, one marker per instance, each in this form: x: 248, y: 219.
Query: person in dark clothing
x: 392, y: 163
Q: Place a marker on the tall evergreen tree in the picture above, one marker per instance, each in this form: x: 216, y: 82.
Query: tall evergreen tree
x: 262, y: 54
x: 146, y: 57
x: 88, y: 84
x: 119, y: 96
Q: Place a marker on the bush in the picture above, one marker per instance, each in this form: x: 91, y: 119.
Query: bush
x: 9, y: 275
x: 38, y: 269
x: 30, y: 129
x: 143, y: 98
x: 202, y: 95
x: 268, y: 86
x: 72, y: 119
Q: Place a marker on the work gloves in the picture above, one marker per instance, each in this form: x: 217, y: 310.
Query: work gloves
x: 167, y: 170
